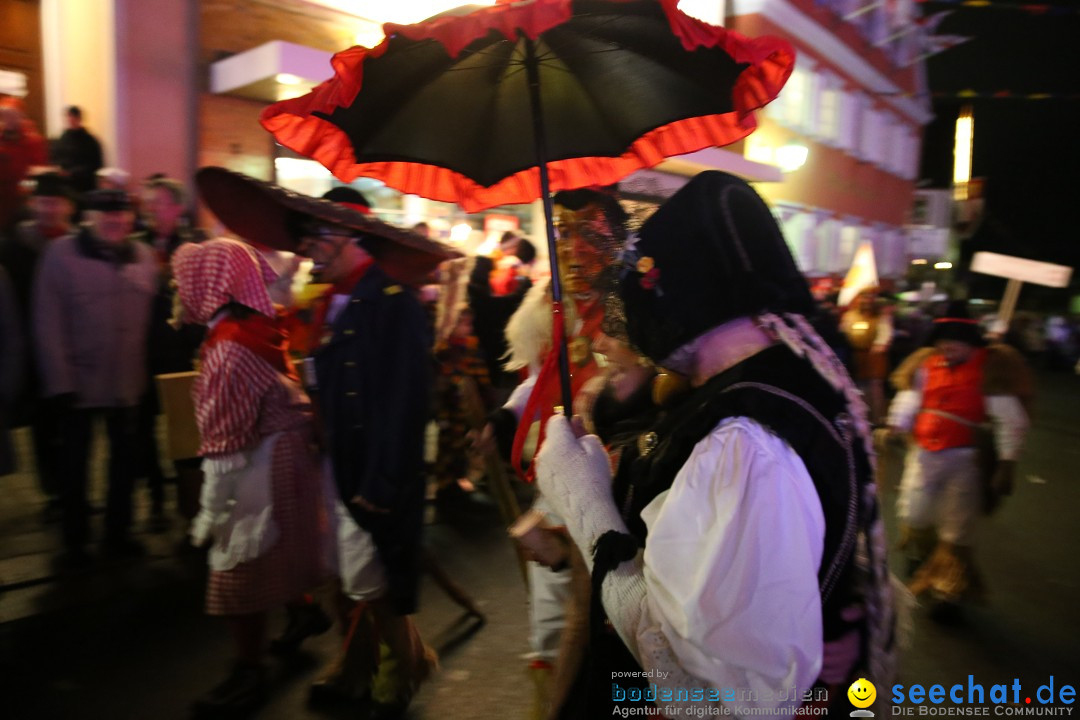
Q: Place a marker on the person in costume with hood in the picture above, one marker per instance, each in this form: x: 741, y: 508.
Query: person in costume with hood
x: 950, y: 396
x: 261, y: 495
x: 739, y: 545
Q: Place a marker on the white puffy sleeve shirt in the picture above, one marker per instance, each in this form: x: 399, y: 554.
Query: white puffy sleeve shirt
x: 731, y: 564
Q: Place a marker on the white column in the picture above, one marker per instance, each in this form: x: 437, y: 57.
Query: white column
x: 130, y: 65
x: 79, y: 54
x: 155, y: 87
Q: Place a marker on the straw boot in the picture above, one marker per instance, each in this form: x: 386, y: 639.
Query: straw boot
x: 348, y: 676
x: 540, y: 672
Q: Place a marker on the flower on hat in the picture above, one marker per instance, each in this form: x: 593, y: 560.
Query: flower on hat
x: 650, y: 278
x: 645, y: 264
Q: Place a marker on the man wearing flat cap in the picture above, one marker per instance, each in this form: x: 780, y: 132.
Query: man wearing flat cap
x: 92, y: 297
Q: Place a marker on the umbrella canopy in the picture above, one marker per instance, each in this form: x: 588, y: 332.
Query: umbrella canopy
x: 509, y: 103
x: 443, y: 108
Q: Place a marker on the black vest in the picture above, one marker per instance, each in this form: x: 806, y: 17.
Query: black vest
x: 783, y: 393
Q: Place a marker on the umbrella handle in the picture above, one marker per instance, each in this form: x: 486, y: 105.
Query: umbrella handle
x: 533, y: 74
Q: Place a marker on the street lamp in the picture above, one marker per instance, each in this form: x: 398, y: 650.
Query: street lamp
x: 791, y: 157
x: 965, y: 130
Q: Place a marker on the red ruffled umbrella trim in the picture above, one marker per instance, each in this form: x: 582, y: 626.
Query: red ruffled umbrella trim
x: 292, y: 123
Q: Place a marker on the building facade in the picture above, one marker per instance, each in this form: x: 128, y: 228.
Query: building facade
x: 171, y: 85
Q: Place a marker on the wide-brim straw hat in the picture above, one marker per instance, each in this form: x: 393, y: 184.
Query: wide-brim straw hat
x: 265, y: 214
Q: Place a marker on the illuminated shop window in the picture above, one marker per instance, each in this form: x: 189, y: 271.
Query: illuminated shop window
x: 827, y: 125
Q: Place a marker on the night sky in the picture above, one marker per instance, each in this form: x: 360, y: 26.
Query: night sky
x: 1028, y: 150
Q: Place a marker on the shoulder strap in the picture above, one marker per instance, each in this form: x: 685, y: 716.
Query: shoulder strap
x: 785, y: 395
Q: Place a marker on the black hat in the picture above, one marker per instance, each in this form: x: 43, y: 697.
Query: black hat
x: 269, y: 215
x: 526, y: 251
x: 350, y: 197
x: 957, y: 324
x: 712, y: 253
x: 51, y: 184
x: 107, y: 200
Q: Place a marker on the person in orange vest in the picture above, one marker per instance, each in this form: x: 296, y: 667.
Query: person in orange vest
x: 950, y: 396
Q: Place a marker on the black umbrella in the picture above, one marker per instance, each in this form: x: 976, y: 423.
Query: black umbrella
x: 511, y: 102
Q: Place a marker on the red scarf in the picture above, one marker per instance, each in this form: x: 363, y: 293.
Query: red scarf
x: 546, y: 393
x: 344, y: 286
x: 259, y: 334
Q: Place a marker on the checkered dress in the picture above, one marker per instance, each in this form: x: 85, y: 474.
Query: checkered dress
x: 240, y: 400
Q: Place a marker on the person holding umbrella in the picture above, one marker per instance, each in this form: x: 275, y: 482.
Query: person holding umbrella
x: 592, y: 231
x: 739, y: 545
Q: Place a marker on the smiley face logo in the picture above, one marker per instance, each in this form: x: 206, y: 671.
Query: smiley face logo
x: 862, y: 693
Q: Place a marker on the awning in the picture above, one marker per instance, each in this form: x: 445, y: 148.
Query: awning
x: 720, y: 159
x: 271, y: 72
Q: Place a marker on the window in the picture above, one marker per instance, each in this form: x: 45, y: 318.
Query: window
x: 881, y: 147
x: 827, y: 241
x: 850, y: 110
x: 899, y: 150
x: 849, y: 241
x: 828, y: 109
x: 791, y: 108
x: 912, y: 155
x: 797, y: 227
x: 797, y: 90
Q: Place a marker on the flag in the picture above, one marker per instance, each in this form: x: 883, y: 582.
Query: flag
x: 940, y: 43
x: 930, y: 23
x: 862, y: 275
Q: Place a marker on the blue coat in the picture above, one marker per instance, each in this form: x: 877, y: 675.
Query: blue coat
x: 374, y: 376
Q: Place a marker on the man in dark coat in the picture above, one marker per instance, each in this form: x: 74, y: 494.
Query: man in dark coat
x: 78, y: 152
x: 51, y: 208
x: 374, y: 376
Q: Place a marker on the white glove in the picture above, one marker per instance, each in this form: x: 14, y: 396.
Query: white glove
x: 219, y: 483
x: 202, y: 528
x: 574, y: 475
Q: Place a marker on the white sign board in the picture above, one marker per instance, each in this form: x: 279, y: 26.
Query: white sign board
x: 1014, y: 268
x: 927, y: 241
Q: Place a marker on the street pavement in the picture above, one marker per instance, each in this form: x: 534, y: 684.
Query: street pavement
x: 128, y: 639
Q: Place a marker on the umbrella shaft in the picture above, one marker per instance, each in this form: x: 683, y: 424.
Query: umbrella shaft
x: 532, y: 71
